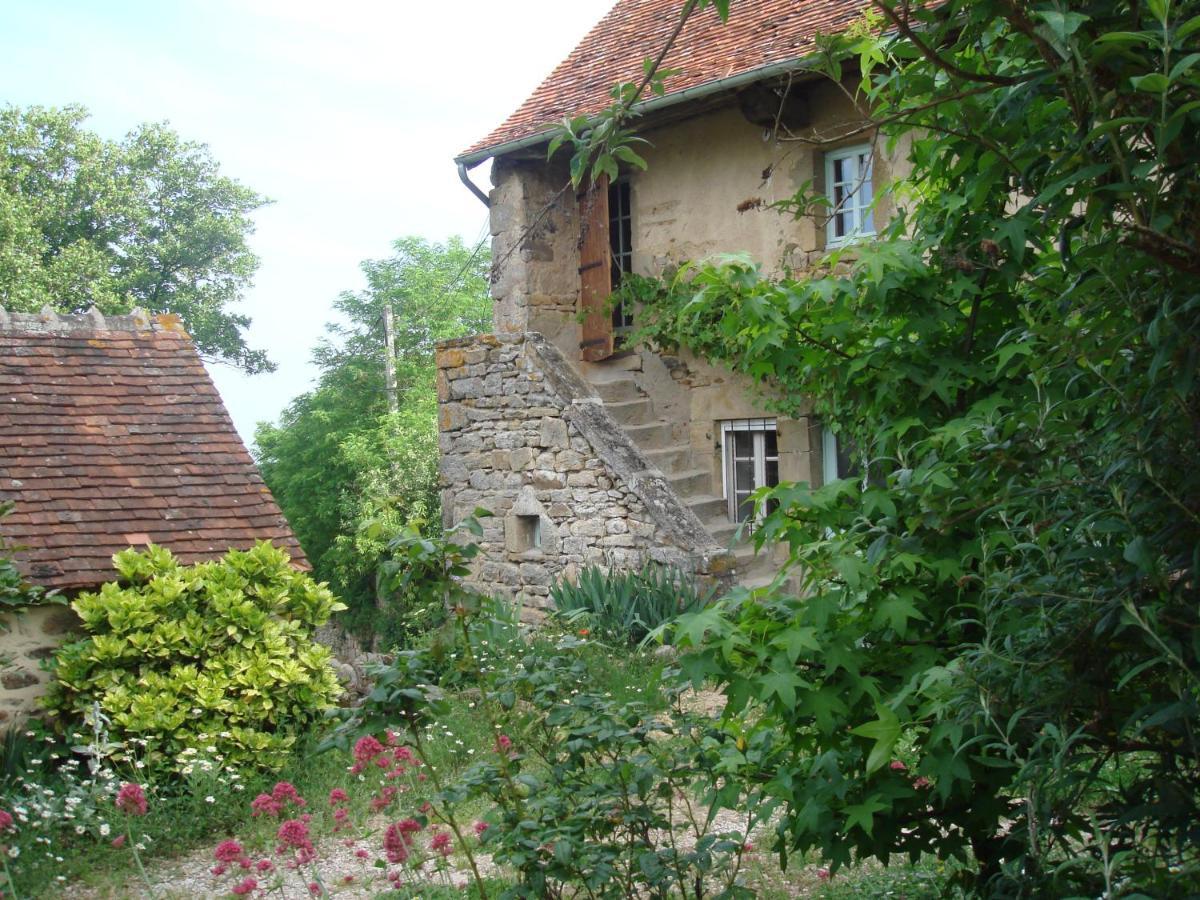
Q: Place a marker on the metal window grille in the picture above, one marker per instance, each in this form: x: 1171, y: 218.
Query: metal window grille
x: 620, y: 235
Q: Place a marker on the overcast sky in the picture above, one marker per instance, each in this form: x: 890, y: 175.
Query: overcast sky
x: 347, y: 115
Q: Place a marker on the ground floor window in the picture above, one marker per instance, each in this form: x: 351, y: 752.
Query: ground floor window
x: 750, y: 448
x: 837, y: 461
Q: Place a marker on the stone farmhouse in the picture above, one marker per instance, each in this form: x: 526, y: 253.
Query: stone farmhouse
x: 588, y: 450
x: 113, y: 436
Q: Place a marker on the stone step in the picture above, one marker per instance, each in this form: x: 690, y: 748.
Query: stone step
x: 618, y: 390
x: 631, y: 412
x: 724, y: 531
x: 691, y: 483
x: 671, y: 460
x: 705, y: 506
x: 608, y: 368
x: 658, y: 435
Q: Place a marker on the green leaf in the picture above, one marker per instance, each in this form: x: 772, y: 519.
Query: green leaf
x: 885, y: 731
x: 1155, y: 82
x: 862, y: 815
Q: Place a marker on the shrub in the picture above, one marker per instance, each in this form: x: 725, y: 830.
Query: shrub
x: 186, y: 658
x: 627, y: 606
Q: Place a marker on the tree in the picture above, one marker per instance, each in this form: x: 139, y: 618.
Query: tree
x: 147, y: 222
x: 338, y: 462
x: 998, y: 648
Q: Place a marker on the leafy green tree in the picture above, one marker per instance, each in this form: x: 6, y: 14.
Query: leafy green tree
x: 347, y: 473
x: 148, y: 221
x: 997, y: 651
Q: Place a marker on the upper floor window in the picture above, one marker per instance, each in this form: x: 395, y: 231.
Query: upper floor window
x: 620, y: 237
x: 848, y: 185
x: 836, y: 459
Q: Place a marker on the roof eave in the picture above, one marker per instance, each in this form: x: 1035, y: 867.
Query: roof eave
x: 697, y: 92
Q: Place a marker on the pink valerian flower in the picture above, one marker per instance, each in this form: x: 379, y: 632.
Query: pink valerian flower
x: 503, y: 744
x: 244, y: 887
x: 293, y: 833
x: 426, y: 807
x: 921, y: 783
x: 341, y: 818
x: 441, y: 843
x: 337, y: 795
x: 6, y: 821
x: 366, y: 749
x: 264, y: 865
x: 405, y: 755
x: 119, y: 841
x: 285, y: 792
x: 362, y: 854
x: 314, y: 888
x: 824, y: 874
x: 219, y: 869
x: 229, y: 851
x: 897, y: 766
x: 385, y: 797
x: 398, y: 838
x: 131, y: 799
x: 265, y: 804
x: 480, y: 828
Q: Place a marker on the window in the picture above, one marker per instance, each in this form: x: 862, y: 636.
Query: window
x: 848, y: 186
x: 620, y: 237
x: 838, y: 459
x: 751, y: 451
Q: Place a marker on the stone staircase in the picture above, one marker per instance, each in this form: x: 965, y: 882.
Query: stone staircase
x: 665, y: 444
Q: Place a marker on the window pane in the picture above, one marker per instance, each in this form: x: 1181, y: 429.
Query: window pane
x: 745, y: 509
x: 743, y: 475
x: 743, y: 444
x: 770, y: 443
x: 772, y: 472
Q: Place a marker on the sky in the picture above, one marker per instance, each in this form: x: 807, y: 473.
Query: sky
x: 346, y: 114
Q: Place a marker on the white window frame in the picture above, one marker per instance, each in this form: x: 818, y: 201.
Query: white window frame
x: 829, y: 456
x: 856, y: 205
x: 759, y: 428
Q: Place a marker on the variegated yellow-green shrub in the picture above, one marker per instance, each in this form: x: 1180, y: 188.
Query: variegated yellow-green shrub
x: 219, y: 654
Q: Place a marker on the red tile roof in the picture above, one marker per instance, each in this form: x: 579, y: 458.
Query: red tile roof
x: 113, y: 435
x: 759, y: 33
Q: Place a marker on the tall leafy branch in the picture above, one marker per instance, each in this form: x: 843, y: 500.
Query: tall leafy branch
x: 995, y: 653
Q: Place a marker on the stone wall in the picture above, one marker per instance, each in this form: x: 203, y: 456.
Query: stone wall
x: 523, y: 436
x: 28, y: 639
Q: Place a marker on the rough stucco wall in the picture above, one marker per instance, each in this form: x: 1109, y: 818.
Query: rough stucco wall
x: 685, y: 205
x: 30, y: 638
x: 523, y: 437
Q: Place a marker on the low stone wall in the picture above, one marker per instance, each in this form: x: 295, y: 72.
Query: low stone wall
x: 28, y: 639
x: 524, y: 437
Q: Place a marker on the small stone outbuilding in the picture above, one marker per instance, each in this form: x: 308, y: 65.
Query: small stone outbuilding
x: 112, y: 436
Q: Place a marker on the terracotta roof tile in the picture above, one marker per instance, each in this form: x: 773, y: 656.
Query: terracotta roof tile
x: 759, y: 33
x: 116, y: 433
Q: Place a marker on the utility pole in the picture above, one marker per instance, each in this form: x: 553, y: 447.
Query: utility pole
x: 389, y: 358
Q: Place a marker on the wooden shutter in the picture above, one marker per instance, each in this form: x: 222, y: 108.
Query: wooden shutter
x: 595, y: 272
